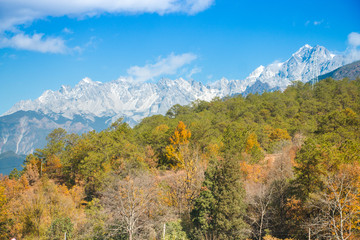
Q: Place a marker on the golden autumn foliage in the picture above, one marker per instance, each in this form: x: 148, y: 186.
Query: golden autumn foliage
x: 279, y: 134
x: 3, y: 200
x: 179, y: 147
x: 184, y: 159
x: 342, y: 201
x: 251, y: 142
x: 31, y: 210
x: 53, y: 167
x: 254, y: 172
x: 181, y: 135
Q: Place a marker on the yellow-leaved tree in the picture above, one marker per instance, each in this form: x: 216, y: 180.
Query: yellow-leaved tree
x: 184, y: 159
x: 3, y: 210
x: 339, y: 203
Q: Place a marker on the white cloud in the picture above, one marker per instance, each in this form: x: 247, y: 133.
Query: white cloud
x: 195, y: 6
x: 275, y: 66
x: 16, y: 12
x: 35, y: 42
x: 193, y: 71
x: 67, y: 31
x: 354, y: 39
x: 352, y: 52
x: 164, y: 66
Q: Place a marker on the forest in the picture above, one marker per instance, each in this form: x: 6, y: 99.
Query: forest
x: 280, y: 165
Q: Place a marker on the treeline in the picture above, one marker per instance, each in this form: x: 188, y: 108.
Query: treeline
x: 281, y: 165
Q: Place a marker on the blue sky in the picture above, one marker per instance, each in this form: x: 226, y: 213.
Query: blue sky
x: 46, y: 44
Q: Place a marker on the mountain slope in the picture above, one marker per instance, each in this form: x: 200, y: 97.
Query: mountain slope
x: 10, y: 160
x: 94, y: 105
x: 351, y: 71
x: 24, y: 131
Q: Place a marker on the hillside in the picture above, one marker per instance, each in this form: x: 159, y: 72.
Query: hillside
x: 9, y: 161
x: 351, y: 71
x: 93, y: 105
x: 270, y: 164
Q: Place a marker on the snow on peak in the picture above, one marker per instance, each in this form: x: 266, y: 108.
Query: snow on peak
x: 304, y: 50
x: 256, y: 73
x: 88, y: 81
x: 305, y: 64
x: 133, y: 100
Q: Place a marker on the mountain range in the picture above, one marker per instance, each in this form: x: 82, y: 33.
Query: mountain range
x: 94, y: 105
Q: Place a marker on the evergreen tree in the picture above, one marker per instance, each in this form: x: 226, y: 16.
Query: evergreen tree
x: 219, y: 210
x: 309, y: 169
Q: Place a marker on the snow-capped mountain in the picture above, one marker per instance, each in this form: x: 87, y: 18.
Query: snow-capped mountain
x: 94, y: 105
x: 120, y: 98
x: 305, y: 64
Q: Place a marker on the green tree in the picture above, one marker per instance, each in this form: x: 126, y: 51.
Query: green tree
x: 309, y: 169
x: 55, y: 142
x: 219, y: 210
x: 60, y: 227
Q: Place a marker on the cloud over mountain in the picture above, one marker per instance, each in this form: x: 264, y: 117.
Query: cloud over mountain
x: 163, y: 66
x: 354, y: 39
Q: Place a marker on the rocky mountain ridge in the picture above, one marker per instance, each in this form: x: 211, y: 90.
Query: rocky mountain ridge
x: 94, y: 105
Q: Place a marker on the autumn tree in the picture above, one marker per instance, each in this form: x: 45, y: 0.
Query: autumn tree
x: 184, y: 158
x: 253, y: 148
x: 259, y: 197
x: 130, y: 203
x: 3, y: 211
x: 32, y: 209
x: 178, y: 140
x: 279, y: 180
x: 339, y: 205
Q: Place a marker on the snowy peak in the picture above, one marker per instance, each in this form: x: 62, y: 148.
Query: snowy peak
x: 257, y: 72
x: 305, y: 64
x: 88, y: 81
x: 303, y: 51
x: 134, y: 100
x: 119, y: 98
x: 93, y: 105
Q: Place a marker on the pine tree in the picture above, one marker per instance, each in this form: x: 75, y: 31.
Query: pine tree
x: 219, y: 210
x: 309, y: 169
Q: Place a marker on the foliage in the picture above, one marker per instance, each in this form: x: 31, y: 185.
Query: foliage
x: 276, y: 165
x: 60, y: 227
x: 175, y: 231
x: 219, y: 210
